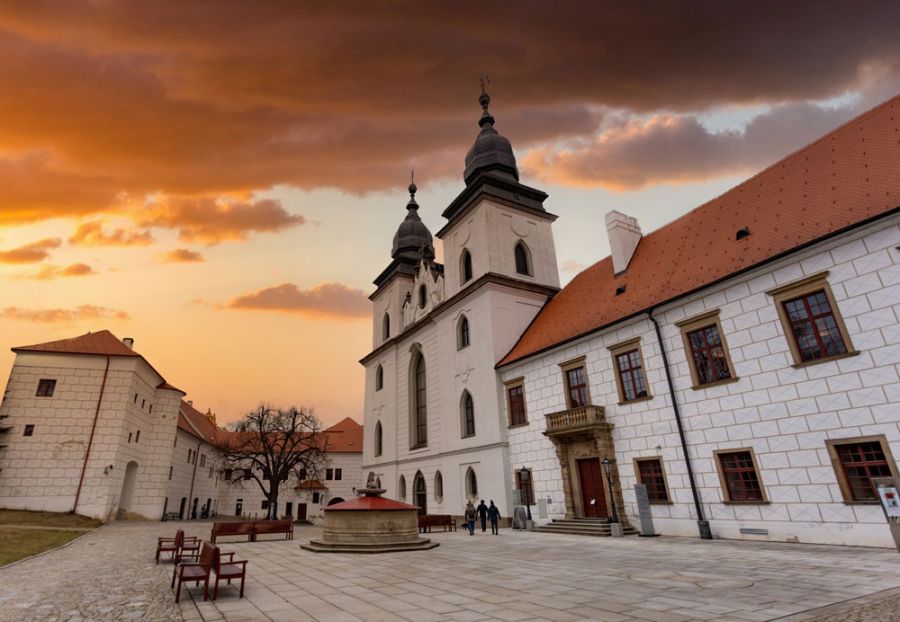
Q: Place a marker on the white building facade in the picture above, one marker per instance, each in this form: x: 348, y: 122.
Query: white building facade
x: 741, y: 362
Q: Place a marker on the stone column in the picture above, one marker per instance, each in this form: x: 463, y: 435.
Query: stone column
x: 562, y: 453
x: 604, y: 442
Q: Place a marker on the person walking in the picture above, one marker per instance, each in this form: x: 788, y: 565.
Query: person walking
x: 494, y: 514
x: 470, y: 518
x: 482, y: 510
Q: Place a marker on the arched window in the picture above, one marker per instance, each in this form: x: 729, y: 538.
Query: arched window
x: 379, y: 438
x: 462, y: 333
x: 418, y: 403
x: 386, y: 327
x: 471, y: 484
x: 420, y: 493
x: 379, y: 378
x: 423, y: 295
x: 465, y: 267
x: 401, y: 488
x: 523, y: 260
x: 467, y: 412
x: 438, y: 487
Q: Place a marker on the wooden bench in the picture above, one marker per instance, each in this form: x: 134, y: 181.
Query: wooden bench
x: 241, y: 528
x: 273, y: 526
x: 428, y: 521
x: 251, y: 529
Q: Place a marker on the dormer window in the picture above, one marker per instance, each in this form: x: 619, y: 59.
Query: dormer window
x: 523, y: 261
x: 465, y: 267
x: 423, y: 295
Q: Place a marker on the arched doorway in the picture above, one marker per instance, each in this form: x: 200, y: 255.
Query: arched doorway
x: 335, y: 500
x: 420, y: 494
x: 128, y: 484
x: 181, y: 508
x: 194, y: 507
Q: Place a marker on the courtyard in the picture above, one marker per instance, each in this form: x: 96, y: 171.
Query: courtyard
x: 109, y: 574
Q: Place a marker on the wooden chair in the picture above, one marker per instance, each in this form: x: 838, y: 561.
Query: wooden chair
x: 177, y: 546
x: 231, y: 569
x: 197, y: 571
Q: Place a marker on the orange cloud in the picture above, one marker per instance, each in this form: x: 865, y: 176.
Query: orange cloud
x: 326, y: 299
x: 195, y: 100
x: 35, y: 252
x: 182, y: 255
x: 47, y: 273
x: 92, y: 234
x: 678, y: 148
x: 63, y: 316
x: 213, y: 220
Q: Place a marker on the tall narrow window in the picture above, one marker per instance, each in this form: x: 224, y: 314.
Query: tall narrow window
x: 423, y: 296
x: 576, y: 385
x: 515, y: 398
x: 462, y: 333
x: 650, y: 473
x: 379, y: 378
x: 471, y: 483
x: 378, y: 438
x: 465, y: 267
x: 468, y: 415
x: 419, y: 432
x: 438, y: 487
x: 420, y: 493
x: 740, y: 478
x: 386, y: 327
x: 401, y: 487
x: 856, y: 462
x: 523, y: 262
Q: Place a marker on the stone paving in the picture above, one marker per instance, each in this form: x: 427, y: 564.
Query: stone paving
x: 109, y: 575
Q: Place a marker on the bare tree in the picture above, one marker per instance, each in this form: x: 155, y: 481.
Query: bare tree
x: 273, y: 446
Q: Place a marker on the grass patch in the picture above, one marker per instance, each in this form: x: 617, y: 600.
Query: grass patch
x: 47, y: 519
x: 17, y: 543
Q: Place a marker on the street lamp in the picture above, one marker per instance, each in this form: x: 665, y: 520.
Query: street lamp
x: 607, y: 466
x: 524, y: 477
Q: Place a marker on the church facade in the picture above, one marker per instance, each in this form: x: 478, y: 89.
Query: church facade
x: 741, y: 362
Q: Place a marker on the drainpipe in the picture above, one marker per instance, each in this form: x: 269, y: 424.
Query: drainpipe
x: 193, y: 476
x: 702, y: 524
x: 87, y: 453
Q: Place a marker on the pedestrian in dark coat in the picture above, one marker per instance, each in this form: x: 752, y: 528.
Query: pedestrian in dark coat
x: 482, y: 510
x: 470, y: 518
x: 494, y: 515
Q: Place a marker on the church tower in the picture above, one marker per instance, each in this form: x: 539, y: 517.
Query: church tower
x: 435, y: 416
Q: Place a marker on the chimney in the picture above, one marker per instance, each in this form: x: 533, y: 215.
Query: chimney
x: 129, y: 343
x: 624, y: 235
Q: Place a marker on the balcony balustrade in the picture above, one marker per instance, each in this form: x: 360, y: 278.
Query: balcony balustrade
x: 574, y: 420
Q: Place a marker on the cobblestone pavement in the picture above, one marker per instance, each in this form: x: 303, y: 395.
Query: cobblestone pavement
x: 109, y: 575
x: 105, y: 576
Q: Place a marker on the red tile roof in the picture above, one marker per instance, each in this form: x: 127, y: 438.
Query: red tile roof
x: 197, y: 424
x: 345, y: 436
x: 843, y: 179
x: 103, y: 343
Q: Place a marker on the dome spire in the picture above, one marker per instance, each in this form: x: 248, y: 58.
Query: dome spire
x: 412, y: 191
x: 487, y: 120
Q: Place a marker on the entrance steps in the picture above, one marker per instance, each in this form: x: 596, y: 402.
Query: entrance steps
x: 583, y: 527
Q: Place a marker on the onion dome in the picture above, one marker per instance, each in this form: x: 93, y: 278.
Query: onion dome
x: 491, y: 151
x: 412, y: 236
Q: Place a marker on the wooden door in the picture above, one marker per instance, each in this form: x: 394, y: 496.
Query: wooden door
x: 289, y: 509
x: 593, y: 499
x: 301, y: 511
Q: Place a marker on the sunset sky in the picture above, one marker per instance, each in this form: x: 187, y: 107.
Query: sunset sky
x: 221, y: 181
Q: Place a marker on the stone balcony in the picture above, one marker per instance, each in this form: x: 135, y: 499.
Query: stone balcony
x: 575, y: 421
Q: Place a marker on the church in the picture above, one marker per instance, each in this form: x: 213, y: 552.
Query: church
x: 741, y: 362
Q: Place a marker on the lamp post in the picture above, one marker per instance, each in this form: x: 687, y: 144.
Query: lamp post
x: 524, y: 478
x: 607, y: 466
